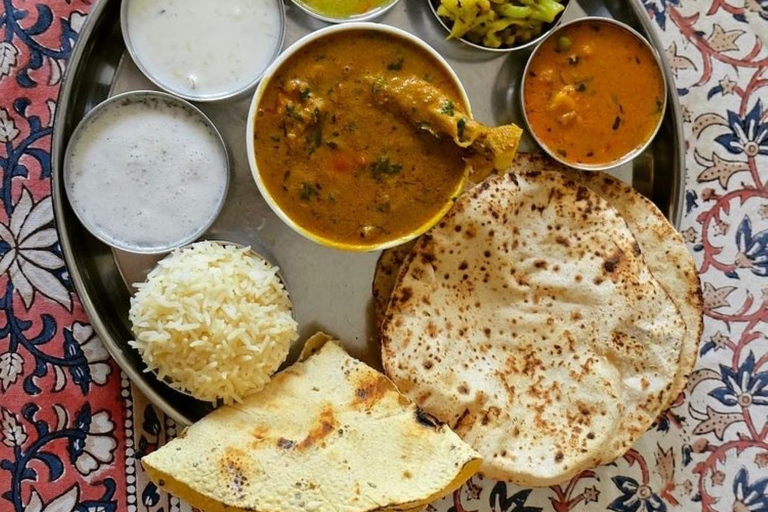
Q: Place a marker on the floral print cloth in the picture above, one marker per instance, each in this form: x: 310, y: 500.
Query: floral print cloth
x: 72, y: 428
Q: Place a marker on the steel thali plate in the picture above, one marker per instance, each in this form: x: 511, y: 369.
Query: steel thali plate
x: 330, y: 289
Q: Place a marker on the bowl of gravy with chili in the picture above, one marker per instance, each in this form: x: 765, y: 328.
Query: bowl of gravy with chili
x: 594, y: 94
x: 339, y: 164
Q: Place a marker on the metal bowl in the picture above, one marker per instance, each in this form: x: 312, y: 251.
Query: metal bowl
x: 367, y: 16
x: 630, y: 155
x: 202, y: 98
x: 139, y: 97
x: 297, y: 47
x: 434, y: 4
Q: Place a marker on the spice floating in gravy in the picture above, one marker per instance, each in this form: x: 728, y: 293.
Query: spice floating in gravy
x: 593, y: 93
x: 338, y: 164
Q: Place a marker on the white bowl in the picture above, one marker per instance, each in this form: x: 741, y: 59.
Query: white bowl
x: 287, y: 54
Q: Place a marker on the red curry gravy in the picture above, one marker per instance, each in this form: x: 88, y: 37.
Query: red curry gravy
x: 338, y: 165
x: 593, y: 93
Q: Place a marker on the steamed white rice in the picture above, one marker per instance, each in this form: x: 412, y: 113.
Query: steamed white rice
x: 213, y: 320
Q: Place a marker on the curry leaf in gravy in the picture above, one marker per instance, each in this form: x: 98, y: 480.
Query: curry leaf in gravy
x: 304, y: 94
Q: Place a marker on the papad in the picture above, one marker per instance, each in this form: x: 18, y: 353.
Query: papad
x: 327, y: 434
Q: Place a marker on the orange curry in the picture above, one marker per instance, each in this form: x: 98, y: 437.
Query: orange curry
x: 336, y: 162
x: 593, y: 93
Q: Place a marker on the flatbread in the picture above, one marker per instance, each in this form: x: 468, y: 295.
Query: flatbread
x: 667, y: 257
x: 327, y: 434
x: 528, y: 320
x: 384, y: 278
x: 664, y: 251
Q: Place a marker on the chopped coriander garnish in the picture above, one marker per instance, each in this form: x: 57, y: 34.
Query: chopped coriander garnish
x: 308, y: 191
x: 447, y: 108
x: 304, y: 94
x: 461, y: 125
x: 383, y: 167
x: 290, y: 111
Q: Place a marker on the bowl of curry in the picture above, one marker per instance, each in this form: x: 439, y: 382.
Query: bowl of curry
x: 342, y: 136
x: 594, y: 94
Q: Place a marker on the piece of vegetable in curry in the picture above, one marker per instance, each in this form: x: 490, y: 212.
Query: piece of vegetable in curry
x: 336, y: 163
x: 593, y: 93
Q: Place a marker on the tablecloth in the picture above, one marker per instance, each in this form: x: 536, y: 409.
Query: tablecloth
x: 72, y: 428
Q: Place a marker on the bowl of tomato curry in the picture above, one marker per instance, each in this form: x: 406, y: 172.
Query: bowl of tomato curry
x: 340, y: 165
x: 594, y: 93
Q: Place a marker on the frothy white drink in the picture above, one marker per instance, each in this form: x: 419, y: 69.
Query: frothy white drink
x: 146, y: 175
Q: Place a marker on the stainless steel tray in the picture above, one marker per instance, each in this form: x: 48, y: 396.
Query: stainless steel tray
x: 330, y: 289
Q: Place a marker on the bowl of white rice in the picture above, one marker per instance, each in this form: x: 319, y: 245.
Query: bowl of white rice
x: 213, y: 320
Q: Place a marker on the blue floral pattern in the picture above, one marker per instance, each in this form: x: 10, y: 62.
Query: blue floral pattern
x: 748, y: 135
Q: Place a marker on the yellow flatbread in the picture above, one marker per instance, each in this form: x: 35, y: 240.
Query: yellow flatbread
x: 327, y: 434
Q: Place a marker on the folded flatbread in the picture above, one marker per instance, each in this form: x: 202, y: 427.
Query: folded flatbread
x: 529, y: 322
x: 328, y: 434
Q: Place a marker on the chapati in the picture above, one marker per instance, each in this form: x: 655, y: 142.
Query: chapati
x: 529, y: 322
x: 664, y: 251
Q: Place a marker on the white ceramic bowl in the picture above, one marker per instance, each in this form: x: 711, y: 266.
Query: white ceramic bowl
x: 298, y: 46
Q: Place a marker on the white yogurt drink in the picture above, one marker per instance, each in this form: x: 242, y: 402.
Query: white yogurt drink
x: 203, y: 49
x: 146, y: 172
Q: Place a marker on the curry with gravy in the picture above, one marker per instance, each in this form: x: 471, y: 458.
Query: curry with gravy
x: 338, y: 164
x: 593, y: 93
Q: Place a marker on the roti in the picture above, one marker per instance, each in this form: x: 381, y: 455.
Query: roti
x: 326, y: 434
x: 385, y: 277
x: 529, y: 322
x: 664, y: 251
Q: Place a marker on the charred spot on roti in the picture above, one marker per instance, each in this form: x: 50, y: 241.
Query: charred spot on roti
x: 612, y: 261
x: 285, y: 444
x: 324, y: 426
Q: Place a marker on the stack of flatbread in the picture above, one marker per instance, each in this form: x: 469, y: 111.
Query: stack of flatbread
x: 548, y: 319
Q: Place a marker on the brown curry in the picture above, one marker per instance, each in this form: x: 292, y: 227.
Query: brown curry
x: 338, y: 164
